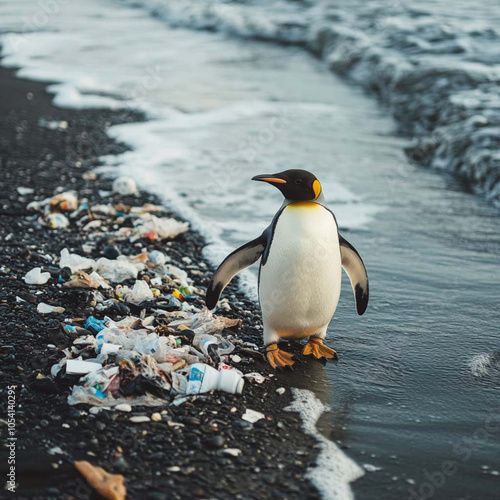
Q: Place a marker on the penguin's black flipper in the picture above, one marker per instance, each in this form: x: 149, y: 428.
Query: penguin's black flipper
x: 235, y: 262
x: 354, y: 267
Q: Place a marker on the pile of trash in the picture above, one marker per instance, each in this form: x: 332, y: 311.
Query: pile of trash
x: 148, y: 339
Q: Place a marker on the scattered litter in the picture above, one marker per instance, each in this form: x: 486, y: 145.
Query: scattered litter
x: 109, y: 486
x: 46, y: 309
x: 124, y: 186
x: 252, y: 416
x: 156, y: 228
x: 81, y: 280
x: 79, y: 367
x: 24, y: 190
x: 57, y: 221
x: 117, y: 270
x: 255, y: 377
x: 64, y: 202
x: 36, y: 277
x: 280, y: 391
x: 139, y: 293
x: 204, y: 378
x: 74, y: 261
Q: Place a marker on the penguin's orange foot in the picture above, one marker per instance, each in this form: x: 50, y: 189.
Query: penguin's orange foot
x: 316, y: 348
x: 278, y: 358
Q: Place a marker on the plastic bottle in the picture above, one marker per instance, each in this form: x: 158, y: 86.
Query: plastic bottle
x: 203, y: 378
x: 212, y: 346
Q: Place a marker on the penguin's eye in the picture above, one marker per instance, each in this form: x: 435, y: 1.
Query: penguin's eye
x: 298, y: 181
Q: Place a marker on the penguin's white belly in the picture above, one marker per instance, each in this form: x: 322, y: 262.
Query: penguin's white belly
x: 299, y: 285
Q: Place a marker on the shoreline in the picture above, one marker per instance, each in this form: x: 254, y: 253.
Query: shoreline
x: 275, y: 452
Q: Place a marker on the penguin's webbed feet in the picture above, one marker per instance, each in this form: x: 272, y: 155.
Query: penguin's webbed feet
x: 316, y: 348
x: 278, y: 358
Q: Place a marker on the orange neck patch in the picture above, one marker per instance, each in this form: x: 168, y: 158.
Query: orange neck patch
x: 303, y: 204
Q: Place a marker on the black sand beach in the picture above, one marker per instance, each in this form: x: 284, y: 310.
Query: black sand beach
x: 275, y: 452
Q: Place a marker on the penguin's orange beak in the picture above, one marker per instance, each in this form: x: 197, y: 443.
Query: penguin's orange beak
x: 273, y: 179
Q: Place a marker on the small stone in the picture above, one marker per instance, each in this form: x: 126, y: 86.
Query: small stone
x: 281, y: 391
x: 139, y: 419
x: 215, y: 442
x: 235, y: 452
x: 156, y: 417
x: 44, y: 423
x: 123, y: 407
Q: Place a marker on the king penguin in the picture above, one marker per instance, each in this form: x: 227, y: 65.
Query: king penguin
x: 302, y: 255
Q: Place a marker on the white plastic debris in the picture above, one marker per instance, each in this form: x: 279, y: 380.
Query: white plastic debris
x: 65, y: 202
x: 255, y: 377
x: 24, y: 190
x: 98, y: 279
x: 124, y: 186
x: 80, y: 367
x: 57, y: 221
x: 117, y: 270
x: 153, y: 227
x: 46, y: 309
x: 139, y: 293
x: 108, y: 348
x: 252, y: 416
x: 36, y: 277
x: 157, y: 258
x: 74, y: 261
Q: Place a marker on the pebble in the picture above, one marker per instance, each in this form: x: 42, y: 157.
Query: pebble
x: 156, y: 417
x: 123, y: 407
x: 235, y: 452
x: 215, y: 442
x: 139, y: 419
x: 281, y: 391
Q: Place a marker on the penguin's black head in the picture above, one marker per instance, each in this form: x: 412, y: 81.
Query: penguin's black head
x: 295, y: 185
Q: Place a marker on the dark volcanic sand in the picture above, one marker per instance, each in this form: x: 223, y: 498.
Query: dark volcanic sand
x: 276, y: 453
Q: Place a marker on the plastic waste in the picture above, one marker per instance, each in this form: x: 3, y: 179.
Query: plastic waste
x: 76, y: 330
x: 36, y: 277
x: 94, y: 325
x: 80, y: 367
x: 157, y: 258
x: 117, y: 270
x: 107, y: 485
x: 252, y: 416
x: 203, y: 378
x: 74, y: 261
x: 81, y: 280
x: 64, y: 202
x: 124, y: 186
x: 152, y: 227
x: 24, y: 190
x: 57, y: 221
x: 212, y: 346
x: 139, y: 293
x: 47, y: 309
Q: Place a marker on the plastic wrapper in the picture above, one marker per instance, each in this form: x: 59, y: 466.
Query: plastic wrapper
x: 117, y: 270
x: 36, y: 277
x: 153, y: 227
x: 74, y: 261
x: 57, y: 221
x: 124, y: 186
x: 139, y: 293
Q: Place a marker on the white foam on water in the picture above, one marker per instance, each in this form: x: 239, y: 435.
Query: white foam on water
x: 334, y: 470
x: 482, y: 365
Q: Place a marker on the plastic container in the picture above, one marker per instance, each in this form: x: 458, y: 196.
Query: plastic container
x: 212, y: 346
x: 203, y: 378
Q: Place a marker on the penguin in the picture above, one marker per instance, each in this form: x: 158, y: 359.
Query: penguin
x: 301, y: 258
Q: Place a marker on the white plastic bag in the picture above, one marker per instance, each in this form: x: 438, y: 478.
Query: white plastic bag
x: 36, y: 277
x: 74, y: 261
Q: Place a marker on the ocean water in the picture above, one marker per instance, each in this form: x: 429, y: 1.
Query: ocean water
x: 416, y: 383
